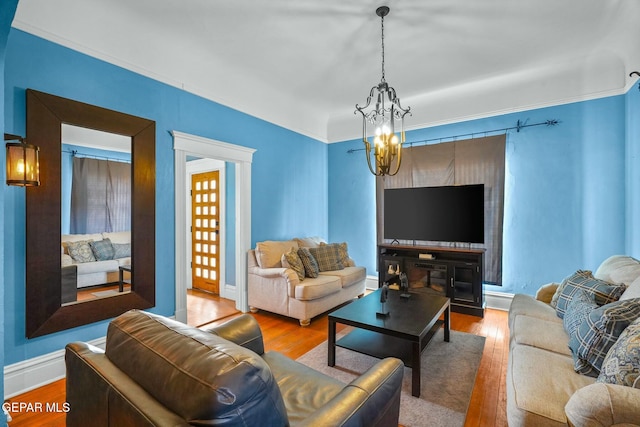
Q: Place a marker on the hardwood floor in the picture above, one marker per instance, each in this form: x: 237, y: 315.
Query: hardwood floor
x: 488, y: 400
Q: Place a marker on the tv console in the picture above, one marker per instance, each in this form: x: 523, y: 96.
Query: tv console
x: 456, y: 273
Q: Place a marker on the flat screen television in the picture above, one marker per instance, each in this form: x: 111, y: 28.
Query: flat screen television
x: 442, y: 214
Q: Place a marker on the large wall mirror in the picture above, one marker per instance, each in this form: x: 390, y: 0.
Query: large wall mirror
x: 48, y: 306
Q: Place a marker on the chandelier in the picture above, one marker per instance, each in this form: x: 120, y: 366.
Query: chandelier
x: 383, y: 116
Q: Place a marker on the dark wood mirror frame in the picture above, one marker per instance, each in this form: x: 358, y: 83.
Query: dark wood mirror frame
x: 45, y: 313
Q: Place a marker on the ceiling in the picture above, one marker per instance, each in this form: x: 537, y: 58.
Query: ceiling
x: 305, y: 64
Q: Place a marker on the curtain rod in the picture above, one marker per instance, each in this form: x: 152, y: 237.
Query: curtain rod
x: 76, y: 153
x: 519, y: 125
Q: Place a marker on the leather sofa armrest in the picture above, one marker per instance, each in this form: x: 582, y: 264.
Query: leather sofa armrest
x: 372, y: 399
x: 242, y: 330
x: 600, y: 404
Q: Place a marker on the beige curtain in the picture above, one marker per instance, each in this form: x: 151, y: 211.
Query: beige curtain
x: 471, y: 161
x: 100, y: 196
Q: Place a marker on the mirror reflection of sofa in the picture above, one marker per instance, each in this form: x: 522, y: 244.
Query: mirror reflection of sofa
x: 97, y: 257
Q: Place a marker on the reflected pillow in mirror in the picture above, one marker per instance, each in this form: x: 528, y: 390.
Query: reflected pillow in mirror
x: 121, y: 250
x: 81, y: 251
x: 102, y: 249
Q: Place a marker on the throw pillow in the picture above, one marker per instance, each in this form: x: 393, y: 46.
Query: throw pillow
x: 102, y: 249
x: 633, y: 290
x: 327, y: 257
x: 577, y: 310
x: 604, y: 292
x: 622, y: 364
x: 293, y: 262
x: 344, y: 254
x: 121, y: 250
x: 269, y: 252
x: 309, y: 242
x: 80, y: 251
x: 618, y: 269
x: 599, y: 331
x: 556, y: 295
x: 311, y: 268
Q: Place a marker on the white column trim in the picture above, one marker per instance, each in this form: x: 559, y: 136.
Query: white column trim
x: 184, y: 144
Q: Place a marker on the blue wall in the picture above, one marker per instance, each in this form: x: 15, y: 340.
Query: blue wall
x: 632, y: 170
x: 289, y: 173
x: 565, y: 204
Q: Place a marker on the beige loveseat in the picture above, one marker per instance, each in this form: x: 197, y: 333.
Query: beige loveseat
x: 543, y: 388
x: 79, y: 250
x: 159, y: 372
x: 285, y: 290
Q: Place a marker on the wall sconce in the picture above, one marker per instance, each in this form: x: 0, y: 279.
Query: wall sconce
x: 23, y: 167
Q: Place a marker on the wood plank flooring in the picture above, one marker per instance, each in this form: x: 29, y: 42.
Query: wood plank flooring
x: 488, y: 400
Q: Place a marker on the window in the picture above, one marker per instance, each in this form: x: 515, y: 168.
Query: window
x: 100, y: 196
x: 471, y: 161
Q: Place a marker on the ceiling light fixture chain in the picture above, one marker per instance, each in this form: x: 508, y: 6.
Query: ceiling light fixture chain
x: 382, y: 11
x: 387, y: 146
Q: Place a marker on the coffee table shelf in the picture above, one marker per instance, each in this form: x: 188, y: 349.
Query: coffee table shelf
x: 380, y: 345
x: 404, y: 334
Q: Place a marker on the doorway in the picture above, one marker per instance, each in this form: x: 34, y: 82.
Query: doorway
x: 191, y: 145
x: 205, y: 225
x: 205, y: 231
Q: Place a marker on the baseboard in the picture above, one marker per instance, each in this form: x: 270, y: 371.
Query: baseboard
x: 230, y: 292
x: 371, y: 283
x: 492, y: 299
x: 498, y: 300
x: 33, y: 373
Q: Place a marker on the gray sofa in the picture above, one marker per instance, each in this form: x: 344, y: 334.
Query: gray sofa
x: 159, y: 372
x: 543, y: 388
x: 277, y: 288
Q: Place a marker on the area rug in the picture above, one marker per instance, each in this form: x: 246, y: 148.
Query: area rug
x: 447, y: 377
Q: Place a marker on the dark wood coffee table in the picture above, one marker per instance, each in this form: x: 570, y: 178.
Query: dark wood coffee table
x: 121, y: 279
x: 404, y: 334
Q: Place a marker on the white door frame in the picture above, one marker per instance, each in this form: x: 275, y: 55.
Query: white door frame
x: 196, y: 167
x: 186, y: 144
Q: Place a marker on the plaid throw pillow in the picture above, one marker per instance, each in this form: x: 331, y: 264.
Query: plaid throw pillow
x: 604, y: 292
x: 311, y: 268
x: 327, y: 257
x: 556, y: 295
x: 599, y: 331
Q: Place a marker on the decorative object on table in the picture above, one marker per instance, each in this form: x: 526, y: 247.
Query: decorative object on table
x: 398, y: 269
x: 384, y: 293
x: 404, y: 286
x: 391, y: 270
x: 387, y: 146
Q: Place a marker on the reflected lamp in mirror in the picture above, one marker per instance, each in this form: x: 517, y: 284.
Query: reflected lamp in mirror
x: 23, y: 168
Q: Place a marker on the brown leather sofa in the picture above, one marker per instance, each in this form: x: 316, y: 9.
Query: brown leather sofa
x: 159, y: 372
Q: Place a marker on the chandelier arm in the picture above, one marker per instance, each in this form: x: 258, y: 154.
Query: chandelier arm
x: 369, y: 98
x: 368, y: 155
x: 399, y: 159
